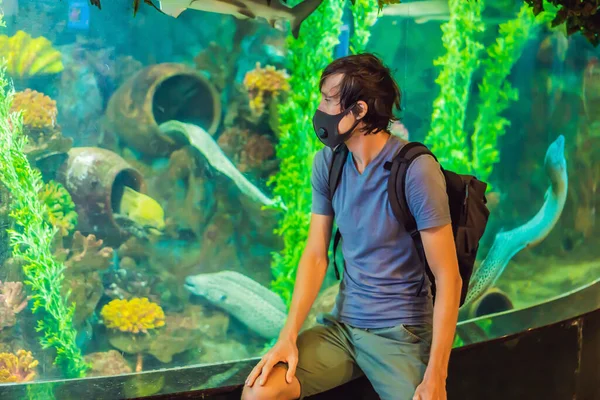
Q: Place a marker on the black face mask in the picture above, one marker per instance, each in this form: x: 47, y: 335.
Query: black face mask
x: 326, y: 127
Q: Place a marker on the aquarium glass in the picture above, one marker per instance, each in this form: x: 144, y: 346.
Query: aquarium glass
x: 155, y: 216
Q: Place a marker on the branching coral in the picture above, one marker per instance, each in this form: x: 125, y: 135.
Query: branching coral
x: 12, y: 301
x: 264, y: 85
x: 32, y: 238
x: 135, y: 315
x: 39, y: 125
x: 39, y: 111
x: 60, y: 209
x: 18, y: 367
x: 27, y: 57
x: 297, y: 144
x: 86, y: 254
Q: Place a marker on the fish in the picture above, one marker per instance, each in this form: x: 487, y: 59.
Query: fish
x: 136, y: 5
x: 142, y: 209
x: 271, y: 10
x: 254, y: 305
x: 209, y: 148
x: 508, y: 243
x: 425, y: 11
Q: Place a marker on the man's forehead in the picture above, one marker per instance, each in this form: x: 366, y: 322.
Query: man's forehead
x: 331, y: 85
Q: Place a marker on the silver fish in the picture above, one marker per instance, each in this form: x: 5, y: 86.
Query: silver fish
x: 423, y: 11
x: 257, y: 307
x: 271, y: 10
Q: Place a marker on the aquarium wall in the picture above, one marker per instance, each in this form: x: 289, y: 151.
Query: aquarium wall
x: 155, y: 189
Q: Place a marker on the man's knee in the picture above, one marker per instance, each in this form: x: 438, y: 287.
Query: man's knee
x: 275, y: 388
x: 257, y: 392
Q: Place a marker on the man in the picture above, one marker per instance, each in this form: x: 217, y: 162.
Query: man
x: 384, y: 324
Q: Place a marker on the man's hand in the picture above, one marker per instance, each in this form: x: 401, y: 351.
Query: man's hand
x: 285, y: 350
x: 432, y: 388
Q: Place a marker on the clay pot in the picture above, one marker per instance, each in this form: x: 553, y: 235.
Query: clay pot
x: 95, y: 178
x: 493, y: 301
x: 157, y: 94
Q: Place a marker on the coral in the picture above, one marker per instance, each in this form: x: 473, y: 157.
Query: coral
x: 182, y: 332
x: 17, y: 367
x: 108, y: 363
x: 84, y: 259
x: 232, y: 141
x: 31, y: 240
x: 248, y: 151
x: 263, y: 85
x: 128, y: 282
x: 39, y: 111
x: 135, y: 315
x: 60, y: 208
x: 257, y: 151
x: 85, y: 254
x: 12, y: 302
x: 39, y: 114
x: 27, y: 57
x: 297, y: 141
x: 46, y: 144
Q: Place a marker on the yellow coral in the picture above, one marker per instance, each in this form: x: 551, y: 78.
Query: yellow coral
x: 27, y: 57
x: 39, y: 111
x: 264, y: 82
x: 17, y: 368
x: 135, y: 315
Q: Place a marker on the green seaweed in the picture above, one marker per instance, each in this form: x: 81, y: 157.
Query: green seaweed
x: 364, y: 14
x: 447, y: 136
x: 31, y: 240
x: 309, y: 54
x: 477, y: 153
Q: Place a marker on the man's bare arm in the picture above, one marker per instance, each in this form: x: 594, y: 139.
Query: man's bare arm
x: 310, y: 274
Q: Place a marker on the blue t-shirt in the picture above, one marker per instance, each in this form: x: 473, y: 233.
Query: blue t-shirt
x: 383, y: 271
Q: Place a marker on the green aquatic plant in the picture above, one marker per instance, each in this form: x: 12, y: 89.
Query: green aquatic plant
x: 297, y: 145
x: 448, y: 137
x: 60, y: 209
x: 31, y: 240
x: 365, y: 15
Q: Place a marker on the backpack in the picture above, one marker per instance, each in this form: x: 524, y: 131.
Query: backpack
x: 467, y: 203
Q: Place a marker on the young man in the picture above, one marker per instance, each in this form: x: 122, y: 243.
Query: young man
x: 379, y: 326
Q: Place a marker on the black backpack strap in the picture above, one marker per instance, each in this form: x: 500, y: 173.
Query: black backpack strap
x: 397, y: 182
x: 335, y: 169
x: 397, y: 196
x: 335, y: 173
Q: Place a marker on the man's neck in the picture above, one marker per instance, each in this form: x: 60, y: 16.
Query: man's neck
x: 365, y: 148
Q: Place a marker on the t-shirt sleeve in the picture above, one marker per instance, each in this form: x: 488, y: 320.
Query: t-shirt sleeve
x: 320, y: 186
x: 426, y: 193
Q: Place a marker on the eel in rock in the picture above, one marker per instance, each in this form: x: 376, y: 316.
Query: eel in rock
x: 205, y: 143
x: 508, y: 243
x: 257, y: 307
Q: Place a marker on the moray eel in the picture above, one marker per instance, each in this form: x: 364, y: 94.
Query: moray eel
x: 260, y: 309
x: 142, y: 209
x: 205, y: 143
x: 507, y: 244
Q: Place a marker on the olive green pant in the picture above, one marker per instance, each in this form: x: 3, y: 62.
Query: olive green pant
x: 332, y: 353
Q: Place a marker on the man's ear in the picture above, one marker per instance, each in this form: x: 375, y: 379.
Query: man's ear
x: 362, y: 109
